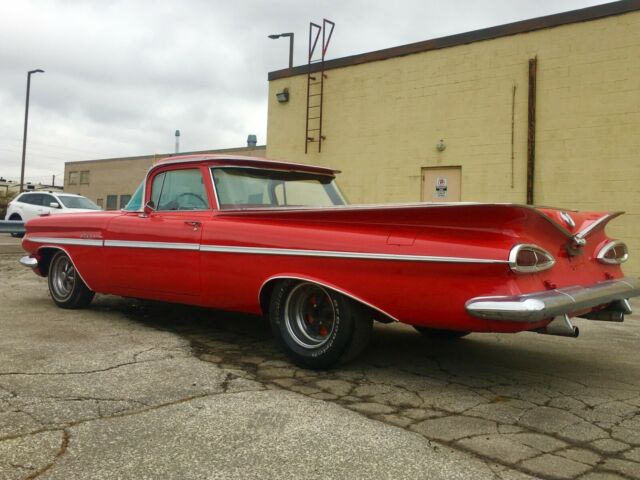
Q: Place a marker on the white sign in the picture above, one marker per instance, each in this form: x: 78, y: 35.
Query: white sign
x: 441, y: 187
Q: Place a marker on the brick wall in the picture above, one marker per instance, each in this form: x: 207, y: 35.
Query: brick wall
x: 383, y: 120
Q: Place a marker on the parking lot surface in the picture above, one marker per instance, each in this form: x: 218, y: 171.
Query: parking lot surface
x: 132, y: 389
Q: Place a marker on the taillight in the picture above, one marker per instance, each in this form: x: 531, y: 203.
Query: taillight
x: 613, y: 253
x: 526, y: 258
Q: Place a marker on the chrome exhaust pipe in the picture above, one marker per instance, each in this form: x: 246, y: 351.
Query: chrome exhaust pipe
x: 614, y: 312
x: 605, y: 316
x: 560, y: 326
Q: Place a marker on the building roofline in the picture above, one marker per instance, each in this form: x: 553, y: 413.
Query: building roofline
x: 523, y: 26
x: 166, y: 155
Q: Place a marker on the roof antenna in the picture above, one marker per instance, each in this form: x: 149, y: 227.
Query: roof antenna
x: 177, y: 141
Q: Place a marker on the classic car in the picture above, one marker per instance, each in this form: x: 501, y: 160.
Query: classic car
x: 279, y: 239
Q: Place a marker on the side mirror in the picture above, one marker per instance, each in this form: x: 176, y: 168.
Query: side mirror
x: 54, y: 205
x: 149, y: 207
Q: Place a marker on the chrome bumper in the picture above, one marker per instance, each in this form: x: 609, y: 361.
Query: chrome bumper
x: 28, y: 261
x: 534, y: 307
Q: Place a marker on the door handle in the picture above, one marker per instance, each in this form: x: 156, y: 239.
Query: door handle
x: 193, y: 223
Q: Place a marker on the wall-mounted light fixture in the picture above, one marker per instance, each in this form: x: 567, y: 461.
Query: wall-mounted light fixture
x: 440, y: 146
x: 283, y: 96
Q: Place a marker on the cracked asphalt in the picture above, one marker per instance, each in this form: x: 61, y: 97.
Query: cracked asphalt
x: 132, y: 389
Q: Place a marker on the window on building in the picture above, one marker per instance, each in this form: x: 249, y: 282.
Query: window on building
x: 84, y: 177
x: 100, y: 202
x: 73, y: 178
x: 112, y: 202
x: 124, y: 199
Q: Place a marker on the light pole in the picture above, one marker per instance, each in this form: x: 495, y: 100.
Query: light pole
x: 290, y: 35
x: 26, y: 119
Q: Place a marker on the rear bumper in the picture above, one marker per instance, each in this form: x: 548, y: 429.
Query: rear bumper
x: 537, y: 306
x: 28, y: 261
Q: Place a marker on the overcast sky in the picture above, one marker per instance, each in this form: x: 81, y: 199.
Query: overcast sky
x: 122, y: 76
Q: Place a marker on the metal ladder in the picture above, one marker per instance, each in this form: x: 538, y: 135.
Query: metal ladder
x: 315, y: 83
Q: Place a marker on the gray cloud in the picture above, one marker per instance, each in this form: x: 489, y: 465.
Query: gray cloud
x: 121, y: 76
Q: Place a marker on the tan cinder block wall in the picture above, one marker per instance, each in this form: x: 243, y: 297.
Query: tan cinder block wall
x: 121, y: 176
x: 383, y: 119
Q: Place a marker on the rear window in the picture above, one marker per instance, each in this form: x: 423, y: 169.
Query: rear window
x: 253, y: 188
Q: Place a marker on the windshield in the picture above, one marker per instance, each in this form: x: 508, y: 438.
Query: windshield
x: 253, y: 188
x: 78, y: 202
x: 135, y: 203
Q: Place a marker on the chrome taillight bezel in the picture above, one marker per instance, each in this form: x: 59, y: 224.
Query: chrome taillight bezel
x: 610, y: 246
x: 539, y: 252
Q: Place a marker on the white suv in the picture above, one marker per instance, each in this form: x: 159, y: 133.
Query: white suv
x: 32, y: 204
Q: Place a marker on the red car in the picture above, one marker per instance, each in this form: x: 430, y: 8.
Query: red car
x: 276, y: 238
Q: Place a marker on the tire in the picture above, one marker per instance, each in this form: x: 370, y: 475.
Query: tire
x: 18, y: 218
x: 65, y: 285
x: 441, y: 334
x: 316, y: 327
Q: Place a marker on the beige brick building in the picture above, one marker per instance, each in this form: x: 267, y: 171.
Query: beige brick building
x: 386, y: 112
x: 110, y: 182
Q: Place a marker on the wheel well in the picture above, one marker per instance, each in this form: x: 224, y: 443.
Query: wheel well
x: 267, y: 289
x: 46, y: 254
x: 15, y: 216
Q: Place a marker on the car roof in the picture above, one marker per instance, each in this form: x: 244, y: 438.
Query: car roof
x: 243, y: 161
x: 34, y: 192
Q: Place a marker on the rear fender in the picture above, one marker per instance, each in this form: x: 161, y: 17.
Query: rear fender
x: 267, y: 287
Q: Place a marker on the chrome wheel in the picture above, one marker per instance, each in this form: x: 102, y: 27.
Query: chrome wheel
x: 63, y: 278
x: 309, y: 315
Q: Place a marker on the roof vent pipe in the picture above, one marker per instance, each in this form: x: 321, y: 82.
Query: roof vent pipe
x: 252, y: 141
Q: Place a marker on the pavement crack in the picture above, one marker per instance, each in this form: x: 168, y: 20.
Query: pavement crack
x: 61, y: 451
x: 79, y: 372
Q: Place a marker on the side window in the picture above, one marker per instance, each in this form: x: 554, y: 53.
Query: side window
x: 47, y: 199
x: 33, y: 199
x: 179, y: 190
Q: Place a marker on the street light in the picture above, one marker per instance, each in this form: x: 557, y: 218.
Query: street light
x: 26, y: 118
x: 290, y: 35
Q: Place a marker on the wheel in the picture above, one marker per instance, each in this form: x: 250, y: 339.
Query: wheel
x: 441, y: 334
x: 16, y: 217
x: 65, y: 285
x: 316, y: 327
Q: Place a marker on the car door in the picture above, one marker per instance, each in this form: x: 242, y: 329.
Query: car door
x: 157, y: 254
x: 46, y: 202
x: 31, y: 205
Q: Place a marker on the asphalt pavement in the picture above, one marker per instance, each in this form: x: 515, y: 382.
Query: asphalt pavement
x: 131, y: 389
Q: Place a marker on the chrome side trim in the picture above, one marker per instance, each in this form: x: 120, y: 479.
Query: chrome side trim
x: 263, y: 250
x: 160, y: 245
x: 326, y: 285
x: 28, y: 261
x: 587, y: 230
x: 568, y: 219
x: 67, y: 241
x: 537, y: 306
x: 336, y: 254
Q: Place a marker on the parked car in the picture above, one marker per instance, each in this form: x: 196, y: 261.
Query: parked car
x: 28, y: 205
x: 277, y: 238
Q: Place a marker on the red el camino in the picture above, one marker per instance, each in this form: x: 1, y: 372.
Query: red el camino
x: 276, y: 238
